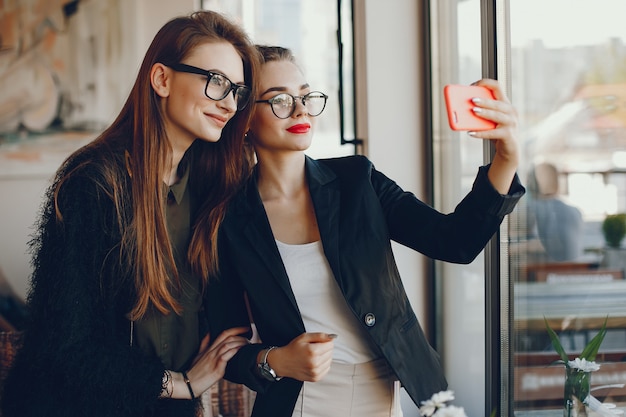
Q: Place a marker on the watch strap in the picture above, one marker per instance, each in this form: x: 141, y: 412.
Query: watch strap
x: 265, y: 369
x: 267, y: 352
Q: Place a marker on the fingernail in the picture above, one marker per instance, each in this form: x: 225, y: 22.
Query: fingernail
x: 477, y: 110
x: 471, y: 133
x: 332, y: 335
x: 476, y: 100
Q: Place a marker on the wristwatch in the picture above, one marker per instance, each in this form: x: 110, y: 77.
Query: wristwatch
x: 265, y: 369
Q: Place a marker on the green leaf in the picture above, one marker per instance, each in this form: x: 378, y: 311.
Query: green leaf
x: 556, y: 343
x: 591, y: 350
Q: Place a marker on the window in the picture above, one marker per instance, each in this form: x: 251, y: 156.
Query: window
x: 309, y: 29
x: 569, y: 86
x: 551, y: 259
x: 456, y: 59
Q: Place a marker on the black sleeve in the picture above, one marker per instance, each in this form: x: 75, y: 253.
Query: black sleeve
x: 226, y: 307
x: 76, y: 358
x: 456, y: 237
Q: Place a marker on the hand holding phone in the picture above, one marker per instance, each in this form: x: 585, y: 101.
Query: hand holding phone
x: 459, y: 106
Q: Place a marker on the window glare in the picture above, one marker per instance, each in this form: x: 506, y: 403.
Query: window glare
x: 569, y: 87
x: 309, y: 29
x: 456, y: 52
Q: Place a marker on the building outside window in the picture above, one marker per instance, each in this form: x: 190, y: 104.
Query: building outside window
x: 569, y: 86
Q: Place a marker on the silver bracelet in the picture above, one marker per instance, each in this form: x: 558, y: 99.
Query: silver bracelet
x: 166, y: 386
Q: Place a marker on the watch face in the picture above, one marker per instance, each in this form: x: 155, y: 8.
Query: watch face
x: 267, y: 372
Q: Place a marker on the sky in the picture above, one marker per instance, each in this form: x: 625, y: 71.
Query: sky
x: 558, y: 23
x: 562, y: 23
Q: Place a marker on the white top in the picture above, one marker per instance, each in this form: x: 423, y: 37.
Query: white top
x: 321, y: 303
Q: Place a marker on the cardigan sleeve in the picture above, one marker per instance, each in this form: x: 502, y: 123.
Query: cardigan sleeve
x: 456, y: 237
x: 226, y: 307
x: 77, y: 358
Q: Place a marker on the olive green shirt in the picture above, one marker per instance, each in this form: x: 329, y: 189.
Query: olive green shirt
x: 176, y: 338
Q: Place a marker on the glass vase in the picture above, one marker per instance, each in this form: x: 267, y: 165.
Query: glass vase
x: 576, y: 391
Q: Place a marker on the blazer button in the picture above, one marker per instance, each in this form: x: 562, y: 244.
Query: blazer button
x: 370, y: 319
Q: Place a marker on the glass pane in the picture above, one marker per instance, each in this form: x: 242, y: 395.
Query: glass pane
x: 569, y: 86
x: 456, y: 52
x: 309, y: 29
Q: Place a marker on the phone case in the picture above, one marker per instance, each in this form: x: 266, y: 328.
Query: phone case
x: 459, y: 106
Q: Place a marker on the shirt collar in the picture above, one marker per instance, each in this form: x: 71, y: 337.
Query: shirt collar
x: 178, y: 189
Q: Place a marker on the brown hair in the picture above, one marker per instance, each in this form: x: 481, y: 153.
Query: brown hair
x: 547, y: 178
x: 275, y: 53
x: 218, y: 168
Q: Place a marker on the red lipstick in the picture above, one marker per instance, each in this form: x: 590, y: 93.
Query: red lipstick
x: 299, y: 128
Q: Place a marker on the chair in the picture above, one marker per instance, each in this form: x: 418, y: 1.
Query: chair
x: 227, y: 399
x: 10, y: 343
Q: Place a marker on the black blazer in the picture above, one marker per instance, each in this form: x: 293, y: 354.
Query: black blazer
x: 359, y: 211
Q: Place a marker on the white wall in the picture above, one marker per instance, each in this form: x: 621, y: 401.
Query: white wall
x: 395, y: 120
x: 152, y: 14
x: 17, y: 211
x: 22, y: 195
x: 395, y: 117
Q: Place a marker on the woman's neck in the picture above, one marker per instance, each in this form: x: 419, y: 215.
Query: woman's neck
x: 285, y: 194
x: 281, y: 177
x: 171, y: 174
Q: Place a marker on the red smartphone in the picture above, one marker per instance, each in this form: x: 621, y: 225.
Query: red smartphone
x: 459, y: 106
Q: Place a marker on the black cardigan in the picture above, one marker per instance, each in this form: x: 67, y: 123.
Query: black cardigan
x: 76, y: 357
x: 359, y: 212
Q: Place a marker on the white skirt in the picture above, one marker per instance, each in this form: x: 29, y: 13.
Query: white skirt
x: 363, y: 390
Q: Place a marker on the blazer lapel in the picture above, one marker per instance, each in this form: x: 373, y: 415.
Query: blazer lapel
x: 325, y: 193
x: 256, y: 229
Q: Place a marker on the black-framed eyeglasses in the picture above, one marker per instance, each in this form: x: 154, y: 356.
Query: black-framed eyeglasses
x: 284, y: 104
x: 218, y: 86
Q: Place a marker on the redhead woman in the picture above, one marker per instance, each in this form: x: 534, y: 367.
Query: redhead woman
x: 323, y: 288
x: 117, y: 321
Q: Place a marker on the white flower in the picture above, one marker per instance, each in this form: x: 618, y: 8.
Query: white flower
x: 583, y: 365
x: 440, y: 398
x: 450, y: 411
x: 428, y: 408
x: 437, y: 402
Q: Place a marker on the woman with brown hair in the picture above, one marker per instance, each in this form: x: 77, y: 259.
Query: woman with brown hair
x: 115, y: 302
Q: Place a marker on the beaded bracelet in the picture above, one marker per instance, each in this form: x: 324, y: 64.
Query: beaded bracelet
x: 188, y: 382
